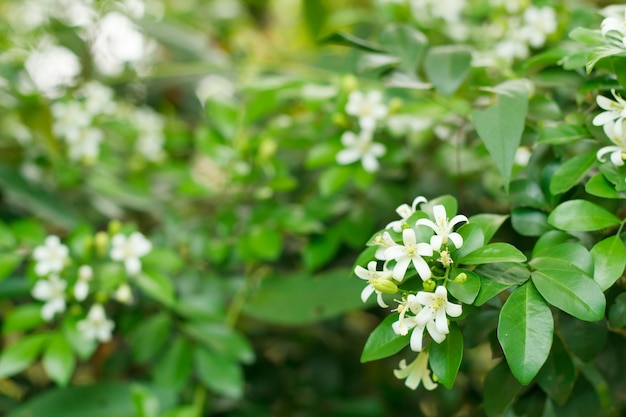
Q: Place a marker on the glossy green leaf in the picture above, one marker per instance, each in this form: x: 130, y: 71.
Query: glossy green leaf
x: 383, y: 341
x: 58, y: 360
x: 321, y: 249
x: 221, y: 339
x: 571, y: 172
x: 599, y: 186
x: 609, y: 258
x: 525, y: 332
x: 501, y: 125
x: 473, y: 239
x: 9, y: 263
x: 445, y: 357
x: 156, y: 286
x: 174, y: 366
x: 327, y: 295
x: 571, y: 291
x: 581, y: 216
x: 467, y: 291
x: 614, y: 174
x: 334, y: 179
x: 495, y: 278
x: 447, y: 67
x: 489, y: 223
x: 617, y: 311
x: 493, y: 252
x: 345, y: 39
x: 18, y: 356
x: 527, y: 193
x: 564, y: 256
x: 550, y: 239
x: 149, y: 336
x: 218, y: 372
x: 530, y: 221
x: 500, y: 390
x: 405, y: 42
x: 145, y: 401
x: 558, y: 374
x: 585, y: 339
x: 22, y: 317
x: 561, y: 135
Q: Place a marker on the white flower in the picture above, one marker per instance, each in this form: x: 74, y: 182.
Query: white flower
x: 405, y: 323
x: 51, y: 256
x: 69, y: 119
x: 538, y: 23
x: 443, y: 228
x: 373, y: 277
x: 367, y: 107
x: 361, y: 147
x: 81, y: 288
x: 124, y: 294
x: 433, y: 313
x: 129, y: 250
x: 614, y: 30
x: 416, y: 372
x: 383, y: 242
x: 52, y: 291
x: 98, y: 98
x: 616, y: 132
x: 511, y: 48
x: 405, y: 211
x: 614, y: 110
x: 149, y: 125
x: 411, y: 251
x: 215, y: 87
x: 86, y: 145
x: 52, y: 68
x: 96, y: 326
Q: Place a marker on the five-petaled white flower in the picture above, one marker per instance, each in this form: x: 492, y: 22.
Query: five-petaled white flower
x: 52, y: 291
x: 360, y: 147
x: 129, y: 250
x: 405, y: 211
x: 383, y: 242
x: 367, y: 107
x: 434, y: 312
x: 538, y: 22
x: 405, y: 323
x: 51, y: 256
x: 81, y: 288
x: 614, y: 110
x: 617, y: 134
x: 416, y: 372
x: 410, y: 251
x: 443, y: 228
x: 373, y: 277
x: 96, y: 326
x: 614, y: 30
x: 124, y: 294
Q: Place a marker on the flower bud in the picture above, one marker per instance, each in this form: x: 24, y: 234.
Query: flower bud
x: 114, y: 227
x: 385, y: 286
x: 349, y: 83
x: 101, y: 242
x: 341, y: 120
x: 461, y: 278
x: 395, y: 105
x: 429, y: 285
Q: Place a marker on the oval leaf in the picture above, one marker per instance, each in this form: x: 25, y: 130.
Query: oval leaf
x: 21, y: 354
x: 445, y: 357
x: 447, y: 66
x: 525, y: 332
x: 59, y: 360
x: 383, y: 341
x: 571, y: 172
x: 581, y: 216
x: 494, y: 252
x: 609, y: 258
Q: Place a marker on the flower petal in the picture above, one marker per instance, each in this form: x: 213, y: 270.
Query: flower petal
x: 416, y: 339
x: 422, y: 268
x: 367, y: 291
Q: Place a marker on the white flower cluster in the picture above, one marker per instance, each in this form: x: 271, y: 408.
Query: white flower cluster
x: 51, y: 260
x: 612, y: 120
x: 613, y: 27
x: 369, y: 109
x: 425, y: 310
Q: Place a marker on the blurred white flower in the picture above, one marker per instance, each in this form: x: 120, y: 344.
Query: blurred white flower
x: 98, y: 98
x: 86, y: 146
x: 613, y: 29
x: 226, y: 9
x: 616, y: 132
x: 511, y: 48
x: 96, y: 326
x: 52, y: 68
x: 51, y: 290
x: 134, y: 8
x: 69, y: 118
x: 51, y: 256
x: 124, y: 294
x: 81, y: 288
x: 368, y: 108
x: 316, y: 92
x: 406, y: 124
x: 362, y: 148
x: 215, y: 87
x: 538, y: 23
x: 522, y: 156
x: 129, y: 250
x: 416, y: 372
x: 150, y: 139
x: 447, y: 10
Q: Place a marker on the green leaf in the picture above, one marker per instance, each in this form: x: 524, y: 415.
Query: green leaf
x: 587, y: 36
x: 405, y: 42
x: 18, y: 356
x: 345, y: 39
x: 530, y: 222
x: 218, y: 372
x: 571, y: 172
x: 495, y: 278
x: 221, y: 339
x: 149, y: 336
x: 172, y: 370
x: 599, y: 186
x: 445, y: 357
x: 500, y: 390
x: 550, y: 239
x: 617, y: 312
x: 261, y: 243
x: 334, y: 179
x: 58, y: 360
x: 493, y: 252
x: 571, y: 291
x: 619, y: 69
x: 473, y: 239
x: 564, y: 256
x: 558, y: 374
x: 319, y: 297
x: 527, y: 193
x: 315, y: 14
x: 84, y: 348
x: 23, y: 317
x: 466, y: 292
x: 9, y: 263
x: 156, y: 286
x: 321, y: 250
x: 447, y: 66
x: 490, y: 223
x: 146, y: 402
x: 501, y: 125
x: 562, y: 135
x: 383, y: 341
x: 525, y: 332
x: 581, y: 216
x: 609, y: 258
x: 585, y: 339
